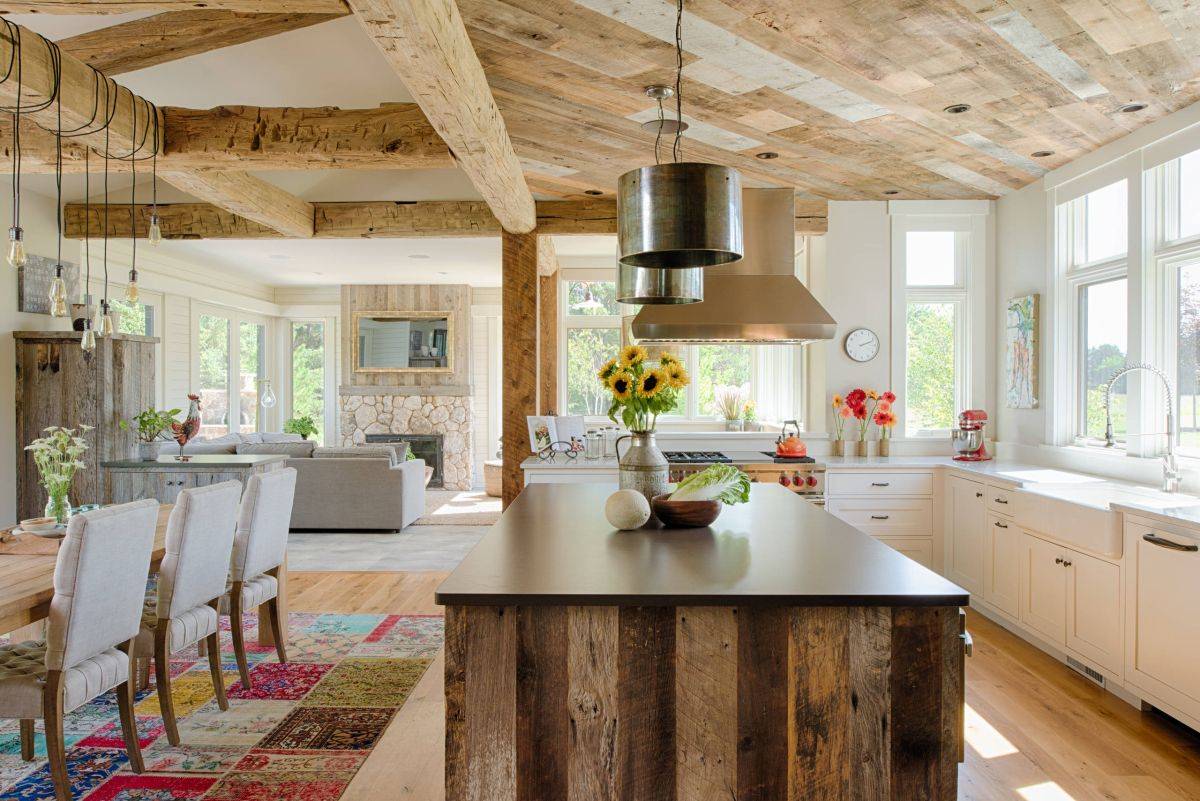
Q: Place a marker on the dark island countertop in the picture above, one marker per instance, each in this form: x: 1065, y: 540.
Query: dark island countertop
x: 553, y: 546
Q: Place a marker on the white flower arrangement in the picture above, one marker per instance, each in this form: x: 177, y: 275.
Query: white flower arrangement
x: 58, y: 455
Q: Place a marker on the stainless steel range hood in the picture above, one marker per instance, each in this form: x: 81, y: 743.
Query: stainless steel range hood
x: 756, y: 300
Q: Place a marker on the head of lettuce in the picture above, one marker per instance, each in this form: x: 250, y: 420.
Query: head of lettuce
x: 720, y: 482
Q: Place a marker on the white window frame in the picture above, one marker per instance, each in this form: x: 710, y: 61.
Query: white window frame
x: 1170, y: 265
x: 770, y: 369
x: 329, y: 366
x: 971, y: 223
x: 236, y: 317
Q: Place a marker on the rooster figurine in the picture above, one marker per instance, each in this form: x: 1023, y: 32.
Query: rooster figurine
x: 185, y: 431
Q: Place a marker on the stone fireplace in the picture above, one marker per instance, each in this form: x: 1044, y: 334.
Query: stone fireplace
x: 426, y: 447
x: 364, y: 412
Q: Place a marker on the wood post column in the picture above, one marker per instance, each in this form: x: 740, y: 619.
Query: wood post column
x: 548, y: 344
x: 519, y: 287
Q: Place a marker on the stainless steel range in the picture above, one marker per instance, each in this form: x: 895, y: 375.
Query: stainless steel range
x: 803, y: 476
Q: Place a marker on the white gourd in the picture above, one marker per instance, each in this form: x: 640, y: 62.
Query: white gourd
x: 627, y: 509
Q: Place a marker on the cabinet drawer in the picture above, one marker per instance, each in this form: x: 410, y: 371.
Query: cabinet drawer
x: 881, y: 484
x: 999, y: 500
x: 913, y: 516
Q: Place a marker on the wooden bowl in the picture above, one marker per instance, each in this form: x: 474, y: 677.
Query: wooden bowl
x: 36, y: 524
x: 684, y: 514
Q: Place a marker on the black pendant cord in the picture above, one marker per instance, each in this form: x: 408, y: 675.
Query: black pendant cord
x: 133, y: 192
x: 16, y: 137
x: 154, y: 168
x: 58, y: 206
x: 104, y: 234
x: 677, y: 147
x: 658, y: 134
x: 87, y: 237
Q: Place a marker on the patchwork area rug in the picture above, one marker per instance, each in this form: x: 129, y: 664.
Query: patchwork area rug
x: 299, y: 734
x: 459, y: 508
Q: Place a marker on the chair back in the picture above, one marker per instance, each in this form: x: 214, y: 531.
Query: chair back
x: 262, y: 529
x: 100, y: 582
x: 199, y: 543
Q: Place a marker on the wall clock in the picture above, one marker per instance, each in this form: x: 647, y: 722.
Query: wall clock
x: 862, y: 344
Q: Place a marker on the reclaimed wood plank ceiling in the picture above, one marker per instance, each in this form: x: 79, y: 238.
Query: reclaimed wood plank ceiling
x: 851, y: 94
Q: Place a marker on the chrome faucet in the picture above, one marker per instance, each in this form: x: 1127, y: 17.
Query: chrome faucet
x: 1171, y: 475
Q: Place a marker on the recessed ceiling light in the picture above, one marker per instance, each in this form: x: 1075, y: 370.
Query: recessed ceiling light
x: 592, y: 192
x: 891, y: 191
x: 1130, y: 108
x: 278, y: 257
x: 442, y: 272
x: 766, y: 155
x: 1041, y: 154
x: 669, y: 127
x: 318, y: 273
x: 957, y: 108
x: 418, y: 255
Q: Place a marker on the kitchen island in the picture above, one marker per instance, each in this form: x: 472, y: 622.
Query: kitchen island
x: 778, y: 654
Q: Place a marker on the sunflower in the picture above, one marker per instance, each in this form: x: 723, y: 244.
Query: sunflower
x: 632, y: 354
x: 677, y: 377
x: 605, y: 372
x: 621, y: 384
x: 668, y: 359
x: 651, y: 383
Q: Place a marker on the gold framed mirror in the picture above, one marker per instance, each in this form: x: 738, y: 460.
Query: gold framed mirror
x: 403, y: 342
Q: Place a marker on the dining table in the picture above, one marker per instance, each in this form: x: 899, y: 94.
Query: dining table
x: 27, y: 581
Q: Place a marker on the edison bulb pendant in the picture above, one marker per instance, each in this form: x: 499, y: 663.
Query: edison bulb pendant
x: 155, y: 232
x: 268, y: 396
x: 98, y: 320
x: 58, y: 307
x: 131, y: 291
x: 58, y: 294
x: 88, y: 341
x: 106, y: 325
x: 16, y: 247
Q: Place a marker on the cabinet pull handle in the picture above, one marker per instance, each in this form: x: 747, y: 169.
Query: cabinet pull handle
x: 968, y: 643
x: 880, y: 517
x: 881, y: 483
x: 998, y: 524
x: 1163, y: 542
x: 1058, y: 560
x: 1001, y: 500
x: 979, y: 495
x: 1066, y: 563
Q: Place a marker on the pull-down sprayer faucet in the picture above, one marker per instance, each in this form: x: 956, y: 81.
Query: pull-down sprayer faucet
x: 1171, y: 475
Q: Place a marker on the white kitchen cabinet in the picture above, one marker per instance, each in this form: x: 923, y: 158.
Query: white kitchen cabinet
x: 1002, y: 579
x: 1043, y: 605
x: 1094, y: 610
x: 896, y: 517
x: 1163, y: 614
x: 965, y: 535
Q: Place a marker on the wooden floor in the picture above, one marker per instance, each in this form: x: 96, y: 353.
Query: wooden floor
x: 1036, y: 731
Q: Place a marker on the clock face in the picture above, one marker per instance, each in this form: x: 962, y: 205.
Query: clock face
x: 862, y: 345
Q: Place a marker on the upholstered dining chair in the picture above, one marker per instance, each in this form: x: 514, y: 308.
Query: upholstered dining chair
x: 99, y: 581
x: 182, y: 610
x: 259, y: 549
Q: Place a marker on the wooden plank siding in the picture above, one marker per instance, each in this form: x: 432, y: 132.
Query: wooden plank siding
x: 699, y: 703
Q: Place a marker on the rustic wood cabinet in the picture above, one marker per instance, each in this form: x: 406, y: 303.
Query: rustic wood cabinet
x: 130, y: 481
x: 59, y: 385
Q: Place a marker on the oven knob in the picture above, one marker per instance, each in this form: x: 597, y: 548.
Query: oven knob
x: 811, y: 481
x: 784, y: 480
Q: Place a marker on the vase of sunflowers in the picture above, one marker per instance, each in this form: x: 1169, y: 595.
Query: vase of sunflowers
x: 642, y: 389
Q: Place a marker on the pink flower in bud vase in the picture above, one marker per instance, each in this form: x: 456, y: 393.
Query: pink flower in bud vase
x: 889, y: 396
x: 845, y: 411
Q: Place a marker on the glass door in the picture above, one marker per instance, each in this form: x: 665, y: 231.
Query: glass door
x: 230, y: 362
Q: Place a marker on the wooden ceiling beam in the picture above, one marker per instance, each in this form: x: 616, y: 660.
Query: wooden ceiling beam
x: 249, y: 197
x: 128, y: 6
x: 173, y: 35
x: 383, y: 220
x: 426, y: 42
x: 393, y: 136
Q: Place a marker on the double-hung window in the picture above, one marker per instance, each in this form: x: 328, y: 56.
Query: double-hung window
x: 935, y: 272
x: 1092, y: 258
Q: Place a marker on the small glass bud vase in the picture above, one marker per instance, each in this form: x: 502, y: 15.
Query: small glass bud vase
x: 860, y: 448
x: 885, y: 446
x: 58, y: 506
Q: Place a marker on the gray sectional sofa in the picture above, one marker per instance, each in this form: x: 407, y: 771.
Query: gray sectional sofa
x: 366, y: 487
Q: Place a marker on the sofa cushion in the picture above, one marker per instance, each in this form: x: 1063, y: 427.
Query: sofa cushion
x: 224, y: 444
x: 296, y: 450
x: 253, y: 437
x: 388, y: 452
x: 268, y: 436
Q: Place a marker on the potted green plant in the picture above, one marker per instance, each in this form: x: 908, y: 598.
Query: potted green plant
x: 150, y: 426
x: 58, y: 455
x: 304, y: 426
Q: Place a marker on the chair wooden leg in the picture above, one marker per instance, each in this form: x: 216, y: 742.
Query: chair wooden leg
x: 162, y: 679
x: 143, y: 673
x: 239, y: 636
x: 27, y: 740
x: 128, y: 721
x: 56, y: 745
x: 278, y: 629
x: 214, y: 659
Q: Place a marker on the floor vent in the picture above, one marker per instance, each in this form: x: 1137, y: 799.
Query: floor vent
x: 1092, y: 674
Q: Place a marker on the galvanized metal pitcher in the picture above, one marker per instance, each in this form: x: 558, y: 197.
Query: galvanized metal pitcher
x: 642, y: 466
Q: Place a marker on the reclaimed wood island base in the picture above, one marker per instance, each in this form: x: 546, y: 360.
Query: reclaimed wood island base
x: 780, y: 655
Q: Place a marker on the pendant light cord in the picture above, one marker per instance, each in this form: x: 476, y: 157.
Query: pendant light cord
x: 133, y: 190
x: 58, y: 206
x: 677, y: 147
x: 107, y: 129
x: 16, y: 147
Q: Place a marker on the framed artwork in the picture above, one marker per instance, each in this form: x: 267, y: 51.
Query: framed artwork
x: 33, y: 284
x: 1021, y: 348
x: 542, y: 431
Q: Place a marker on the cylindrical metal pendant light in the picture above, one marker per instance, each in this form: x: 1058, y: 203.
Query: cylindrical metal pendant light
x: 641, y: 285
x: 679, y: 216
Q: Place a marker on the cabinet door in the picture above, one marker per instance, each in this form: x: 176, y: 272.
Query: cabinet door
x: 1043, y: 588
x: 1002, y: 582
x: 965, y: 533
x: 1167, y: 613
x: 1094, y: 610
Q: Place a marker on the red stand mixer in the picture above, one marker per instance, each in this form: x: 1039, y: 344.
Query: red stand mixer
x: 968, y: 437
